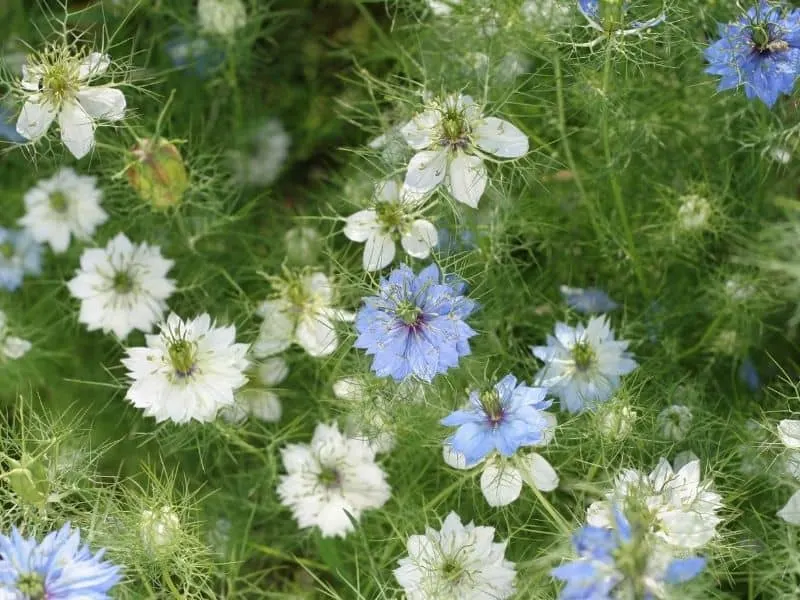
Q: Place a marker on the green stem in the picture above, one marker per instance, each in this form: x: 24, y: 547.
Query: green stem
x: 616, y: 189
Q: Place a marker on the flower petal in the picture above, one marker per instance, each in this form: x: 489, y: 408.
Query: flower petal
x: 419, y: 132
x: 500, y: 138
x: 789, y: 430
x: 542, y: 474
x: 420, y: 239
x: 379, y: 252
x: 359, y: 226
x: 316, y: 334
x: 791, y: 512
x: 77, y: 129
x: 93, y: 65
x: 35, y: 119
x: 467, y: 179
x: 426, y: 170
x: 102, y: 103
x: 501, y: 485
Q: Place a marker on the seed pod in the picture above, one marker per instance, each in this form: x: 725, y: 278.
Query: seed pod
x: 159, y: 174
x: 28, y: 480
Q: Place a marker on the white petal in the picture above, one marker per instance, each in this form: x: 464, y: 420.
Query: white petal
x: 419, y: 131
x: 93, y: 65
x: 542, y: 474
x: 791, y: 512
x: 276, y: 331
x: 501, y: 485
x: 467, y: 179
x: 420, y: 239
x: 273, y: 371
x: 454, y: 459
x: 359, y: 226
x: 500, y: 138
x: 789, y: 430
x: 426, y: 170
x: 14, y: 347
x: 387, y: 191
x: 35, y: 118
x: 316, y: 335
x: 103, y: 103
x: 379, y: 252
x: 77, y: 129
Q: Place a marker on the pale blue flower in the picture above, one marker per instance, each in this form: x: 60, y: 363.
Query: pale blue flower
x: 58, y: 568
x: 611, y: 565
x: 587, y: 301
x: 505, y: 418
x: 761, y: 51
x: 20, y: 255
x: 194, y: 54
x: 415, y: 325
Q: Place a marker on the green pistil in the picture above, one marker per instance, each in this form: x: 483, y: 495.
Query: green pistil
x: 492, y: 406
x: 452, y: 570
x: 58, y: 202
x: 123, y: 283
x: 584, y: 356
x: 455, y: 131
x: 391, y: 216
x: 7, y: 250
x: 329, y: 477
x: 182, y: 356
x: 60, y: 81
x: 31, y: 585
x: 409, y: 313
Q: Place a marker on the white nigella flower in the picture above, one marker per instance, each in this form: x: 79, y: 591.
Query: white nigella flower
x: 65, y: 205
x: 452, y: 138
x: 583, y: 365
x: 159, y: 528
x: 331, y: 480
x: 260, y: 400
x: 11, y: 347
x: 616, y: 422
x: 188, y: 371
x: 122, y: 287
x: 781, y: 155
x: 442, y: 8
x: 694, y: 212
x: 674, y: 422
x: 221, y: 17
x: 459, y: 562
x: 681, y: 509
x: 368, y: 421
x: 301, y: 314
x: 57, y: 83
x: 262, y: 163
x: 394, y: 216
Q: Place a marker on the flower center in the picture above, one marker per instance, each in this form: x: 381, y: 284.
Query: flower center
x: 7, y: 250
x: 58, y: 202
x: 391, y: 216
x: 183, y: 355
x: 455, y: 129
x: 122, y: 282
x: 409, y: 313
x: 60, y: 81
x: 584, y: 356
x: 492, y: 406
x: 31, y: 585
x: 330, y: 478
x: 765, y: 40
x: 452, y: 570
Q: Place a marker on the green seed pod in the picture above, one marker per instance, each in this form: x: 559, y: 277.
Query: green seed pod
x: 28, y: 480
x: 159, y: 174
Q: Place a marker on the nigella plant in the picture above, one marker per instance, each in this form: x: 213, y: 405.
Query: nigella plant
x: 504, y: 418
x: 610, y: 18
x: 56, y: 567
x: 760, y: 51
x: 415, y: 325
x: 622, y: 562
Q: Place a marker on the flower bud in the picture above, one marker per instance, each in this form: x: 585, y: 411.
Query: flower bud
x: 159, y: 174
x: 28, y: 480
x: 160, y: 528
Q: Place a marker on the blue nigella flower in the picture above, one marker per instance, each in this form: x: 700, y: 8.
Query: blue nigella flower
x: 587, y: 301
x: 505, y: 418
x: 748, y: 374
x: 19, y: 255
x: 761, y: 51
x: 591, y: 10
x: 610, y: 565
x: 8, y: 127
x: 56, y: 568
x: 415, y: 325
x: 195, y: 54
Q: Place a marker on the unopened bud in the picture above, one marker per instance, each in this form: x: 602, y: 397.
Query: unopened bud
x: 158, y: 174
x: 28, y: 480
